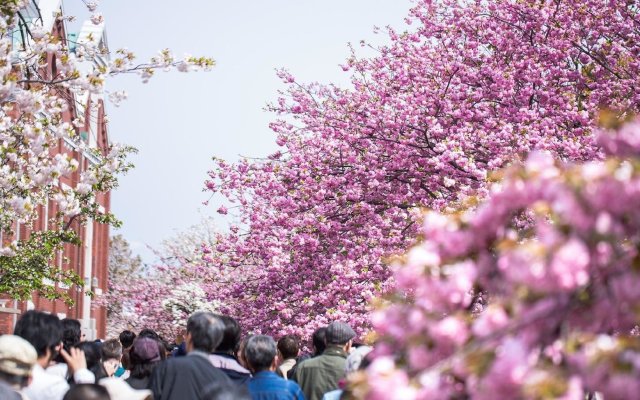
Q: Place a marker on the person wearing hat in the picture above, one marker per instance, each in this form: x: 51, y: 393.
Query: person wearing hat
x: 17, y: 358
x: 321, y: 374
x: 144, y: 355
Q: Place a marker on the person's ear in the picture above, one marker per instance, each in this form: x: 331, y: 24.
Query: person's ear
x: 347, y: 347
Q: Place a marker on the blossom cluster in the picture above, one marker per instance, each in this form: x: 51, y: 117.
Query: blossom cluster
x: 51, y: 90
x: 466, y: 89
x: 162, y: 296
x: 531, y: 294
x: 162, y: 301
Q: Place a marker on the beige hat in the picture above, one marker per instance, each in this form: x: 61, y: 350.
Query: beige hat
x: 120, y: 390
x: 17, y: 356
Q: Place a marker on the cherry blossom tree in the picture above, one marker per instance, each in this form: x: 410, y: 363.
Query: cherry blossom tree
x: 161, y: 296
x: 466, y: 89
x: 531, y: 295
x: 124, y: 267
x: 41, y: 80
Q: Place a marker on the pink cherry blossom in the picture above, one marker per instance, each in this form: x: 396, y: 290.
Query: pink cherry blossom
x: 469, y: 88
x: 561, y: 290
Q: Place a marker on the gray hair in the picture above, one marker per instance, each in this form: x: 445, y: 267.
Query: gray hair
x: 260, y: 352
x: 206, y: 331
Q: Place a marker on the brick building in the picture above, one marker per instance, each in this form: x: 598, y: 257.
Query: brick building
x: 90, y: 259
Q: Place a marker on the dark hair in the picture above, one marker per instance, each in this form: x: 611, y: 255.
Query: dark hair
x: 289, y: 346
x: 318, y: 339
x: 71, y: 333
x: 240, y: 351
x: 231, y: 336
x: 162, y: 349
x: 260, y: 352
x: 14, y: 380
x: 127, y: 338
x: 43, y: 331
x: 150, y: 333
x: 87, y: 391
x: 112, y: 349
x: 205, y: 330
x: 166, y: 349
x: 126, y: 359
x: 93, y: 355
x: 142, y: 370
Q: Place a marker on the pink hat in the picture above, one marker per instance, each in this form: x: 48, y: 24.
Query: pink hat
x: 146, y: 350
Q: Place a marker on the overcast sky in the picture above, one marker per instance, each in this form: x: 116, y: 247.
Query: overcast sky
x: 179, y: 121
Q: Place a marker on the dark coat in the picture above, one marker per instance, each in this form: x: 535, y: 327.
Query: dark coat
x: 183, y: 378
x: 138, y: 383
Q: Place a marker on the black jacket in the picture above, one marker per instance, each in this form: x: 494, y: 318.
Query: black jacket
x: 183, y: 378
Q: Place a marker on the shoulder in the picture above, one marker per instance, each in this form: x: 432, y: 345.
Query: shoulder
x: 46, y: 386
x: 186, y: 362
x: 309, y: 363
x: 292, y: 385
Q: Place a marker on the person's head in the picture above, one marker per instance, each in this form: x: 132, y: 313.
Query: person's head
x: 288, y: 347
x: 231, y: 336
x: 204, y: 332
x: 92, y: 353
x: 111, y: 355
x: 87, y: 391
x: 240, y: 352
x: 143, y: 357
x: 112, y: 349
x: 260, y: 353
x: 43, y: 331
x: 71, y: 333
x: 166, y: 349
x: 127, y: 338
x: 17, y: 358
x: 150, y: 333
x: 339, y: 334
x: 93, y: 356
x: 318, y: 340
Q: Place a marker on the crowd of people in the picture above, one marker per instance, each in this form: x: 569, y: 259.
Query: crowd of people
x: 47, y: 359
